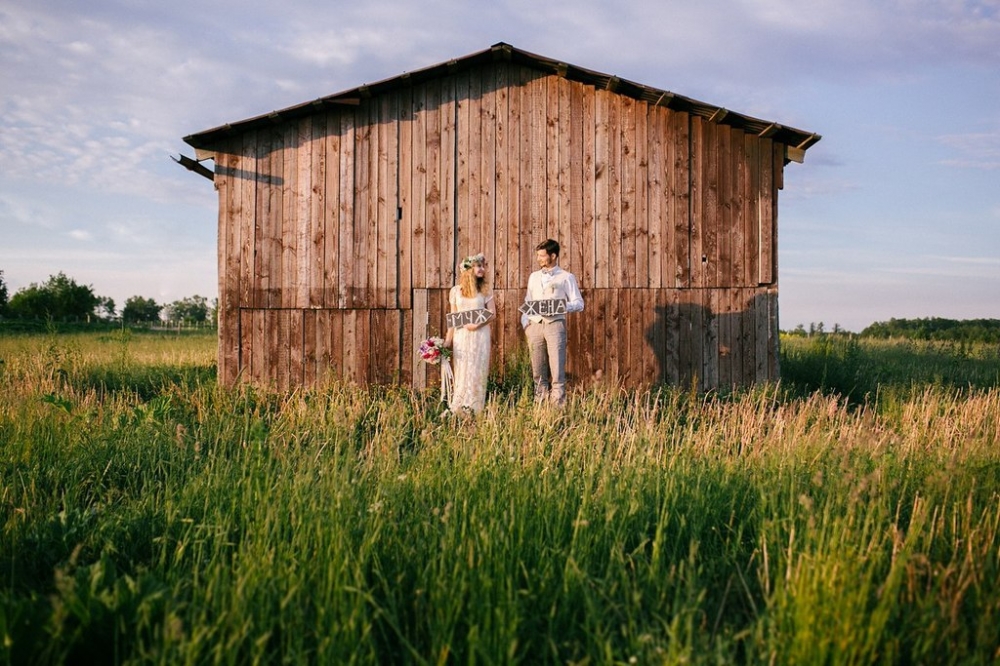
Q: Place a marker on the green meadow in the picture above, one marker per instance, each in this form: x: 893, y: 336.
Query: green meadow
x: 849, y: 515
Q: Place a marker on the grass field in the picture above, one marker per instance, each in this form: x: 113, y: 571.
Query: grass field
x: 849, y: 516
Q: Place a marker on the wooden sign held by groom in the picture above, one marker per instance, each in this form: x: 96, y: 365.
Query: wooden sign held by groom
x: 545, y: 308
x: 459, y: 319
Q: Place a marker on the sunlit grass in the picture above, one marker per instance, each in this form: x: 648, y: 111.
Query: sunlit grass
x: 150, y: 516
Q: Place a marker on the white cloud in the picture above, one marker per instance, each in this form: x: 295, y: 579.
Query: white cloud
x: 978, y: 150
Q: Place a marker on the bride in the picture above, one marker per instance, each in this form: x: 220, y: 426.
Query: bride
x: 470, y: 343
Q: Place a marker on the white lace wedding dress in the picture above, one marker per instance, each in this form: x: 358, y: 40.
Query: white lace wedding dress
x: 470, y: 356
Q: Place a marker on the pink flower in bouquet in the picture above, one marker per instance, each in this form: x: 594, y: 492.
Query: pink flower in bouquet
x: 432, y: 350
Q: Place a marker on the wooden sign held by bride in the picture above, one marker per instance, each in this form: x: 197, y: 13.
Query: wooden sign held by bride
x: 544, y: 308
x: 459, y: 319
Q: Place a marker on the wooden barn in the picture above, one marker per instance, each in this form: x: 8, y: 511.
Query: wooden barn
x: 342, y: 221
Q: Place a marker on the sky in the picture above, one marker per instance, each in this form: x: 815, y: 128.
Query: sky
x: 894, y: 214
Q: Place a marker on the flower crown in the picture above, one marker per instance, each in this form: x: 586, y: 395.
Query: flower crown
x: 468, y: 262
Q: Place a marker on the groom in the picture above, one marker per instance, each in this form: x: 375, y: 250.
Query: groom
x: 545, y: 326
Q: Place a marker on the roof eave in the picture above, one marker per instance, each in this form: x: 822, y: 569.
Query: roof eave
x: 797, y: 141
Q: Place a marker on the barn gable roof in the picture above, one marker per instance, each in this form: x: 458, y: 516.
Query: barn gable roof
x: 797, y: 141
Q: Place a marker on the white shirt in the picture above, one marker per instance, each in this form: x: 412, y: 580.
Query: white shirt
x: 552, y: 284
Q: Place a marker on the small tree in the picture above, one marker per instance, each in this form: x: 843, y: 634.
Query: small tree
x: 3, y: 295
x: 60, y: 297
x: 139, y: 309
x: 191, y: 310
x: 105, y: 307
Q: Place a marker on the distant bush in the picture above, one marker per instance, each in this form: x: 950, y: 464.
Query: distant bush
x: 936, y: 328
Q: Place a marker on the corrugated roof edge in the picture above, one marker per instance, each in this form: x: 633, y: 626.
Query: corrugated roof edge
x: 799, y: 140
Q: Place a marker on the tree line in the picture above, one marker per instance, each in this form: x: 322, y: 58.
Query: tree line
x: 62, y: 299
x: 937, y: 328
x: 929, y: 328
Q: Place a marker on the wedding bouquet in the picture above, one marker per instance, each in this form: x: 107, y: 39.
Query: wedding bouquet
x: 432, y: 350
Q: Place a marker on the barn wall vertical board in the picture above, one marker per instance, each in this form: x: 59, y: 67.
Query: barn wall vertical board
x: 671, y: 336
x: 365, y: 139
x: 742, y: 314
x: 250, y: 184
x: 434, y: 186
x: 629, y: 172
x: 310, y: 351
x: 296, y: 348
x: 388, y: 241
x: 316, y: 221
x: 345, y: 281
x: 536, y: 187
x: 698, y: 333
x: 681, y: 198
x: 645, y: 304
x: 655, y: 211
x: 228, y: 272
x: 722, y: 308
x: 699, y: 171
x: 765, y: 214
x: 569, y: 173
x: 353, y: 361
x: 641, y: 181
x: 773, y: 358
x: 553, y: 196
x: 748, y: 347
x: 374, y: 224
x: 623, y: 332
x: 587, y: 232
x: 449, y: 138
x: 408, y: 352
x: 710, y: 341
x: 598, y: 324
x: 258, y: 353
x: 269, y: 225
x: 288, y: 235
x: 417, y: 181
x: 529, y: 221
x: 741, y: 239
x: 419, y: 334
x: 574, y: 148
x: 614, y: 157
x: 302, y: 244
x: 385, y: 358
x: 639, y: 352
x: 777, y: 168
x: 613, y: 350
x: 602, y: 190
x: 725, y: 218
x: 316, y: 358
x: 710, y: 218
x: 752, y: 205
x: 475, y: 140
x: 271, y: 349
x: 516, y: 238
x: 319, y: 327
x: 464, y: 163
x: 338, y: 333
x: 331, y: 213
x: 487, y: 167
x: 404, y: 198
x: 245, y: 372
x: 503, y: 243
x: 463, y: 167
x: 734, y: 357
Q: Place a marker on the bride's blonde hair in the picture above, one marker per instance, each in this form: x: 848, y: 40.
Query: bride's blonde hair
x: 469, y: 284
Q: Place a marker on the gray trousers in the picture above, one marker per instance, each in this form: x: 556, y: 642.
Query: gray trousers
x: 547, y: 344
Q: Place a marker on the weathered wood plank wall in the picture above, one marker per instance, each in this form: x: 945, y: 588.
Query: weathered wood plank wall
x: 340, y: 232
